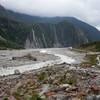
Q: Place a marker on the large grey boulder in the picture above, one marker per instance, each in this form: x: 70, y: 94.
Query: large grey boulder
x: 93, y: 98
x: 59, y: 97
x: 16, y: 72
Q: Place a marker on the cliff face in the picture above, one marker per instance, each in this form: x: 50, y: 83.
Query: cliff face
x: 94, y: 34
x: 43, y: 35
x: 62, y: 34
x: 32, y: 41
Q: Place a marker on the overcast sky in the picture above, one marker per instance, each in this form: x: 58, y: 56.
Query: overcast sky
x: 86, y: 10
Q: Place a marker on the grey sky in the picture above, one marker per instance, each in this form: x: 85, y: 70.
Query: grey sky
x: 86, y: 10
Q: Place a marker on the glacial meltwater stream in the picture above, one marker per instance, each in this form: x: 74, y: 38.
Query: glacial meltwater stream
x: 23, y: 68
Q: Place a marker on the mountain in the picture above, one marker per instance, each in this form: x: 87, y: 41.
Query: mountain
x: 3, y: 12
x: 24, y: 31
x: 62, y: 34
x: 93, y: 33
x: 41, y: 35
x: 12, y: 32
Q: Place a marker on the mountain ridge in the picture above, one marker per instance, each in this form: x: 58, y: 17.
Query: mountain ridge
x: 36, y: 19
x: 44, y: 33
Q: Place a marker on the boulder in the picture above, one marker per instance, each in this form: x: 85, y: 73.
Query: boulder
x: 49, y: 94
x: 62, y: 87
x: 14, y: 58
x: 93, y: 97
x: 16, y: 72
x: 59, y: 97
x: 28, y: 57
x: 65, y: 86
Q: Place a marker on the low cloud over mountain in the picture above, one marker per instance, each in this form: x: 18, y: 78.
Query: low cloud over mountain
x: 86, y: 10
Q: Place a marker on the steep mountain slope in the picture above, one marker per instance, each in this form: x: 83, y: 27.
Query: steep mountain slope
x: 39, y: 35
x: 62, y: 34
x: 93, y: 33
x: 12, y: 32
x: 43, y: 32
x: 3, y: 12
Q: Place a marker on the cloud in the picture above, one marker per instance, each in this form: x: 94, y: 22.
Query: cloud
x: 86, y: 10
x: 98, y: 27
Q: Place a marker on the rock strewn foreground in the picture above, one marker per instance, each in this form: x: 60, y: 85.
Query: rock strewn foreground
x: 52, y: 83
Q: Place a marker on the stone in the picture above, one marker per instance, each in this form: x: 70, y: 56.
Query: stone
x: 65, y: 86
x: 59, y: 97
x: 95, y: 87
x: 98, y: 97
x: 16, y: 72
x: 92, y: 98
x: 21, y: 94
x: 2, y: 94
x: 62, y: 87
x: 28, y: 56
x: 71, y: 88
x: 14, y: 58
x: 49, y: 94
x: 8, y: 83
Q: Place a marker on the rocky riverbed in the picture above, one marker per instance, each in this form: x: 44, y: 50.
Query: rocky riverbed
x: 63, y: 80
x: 26, y: 60
x: 14, y: 58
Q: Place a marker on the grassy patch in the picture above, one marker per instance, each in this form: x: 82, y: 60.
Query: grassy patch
x: 50, y: 81
x: 5, y: 99
x: 17, y: 95
x: 70, y: 81
x: 82, y: 96
x: 33, y: 96
x: 91, y: 46
x: 42, y: 76
x: 91, y: 60
x: 26, y: 90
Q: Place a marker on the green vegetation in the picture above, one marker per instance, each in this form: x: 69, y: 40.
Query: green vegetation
x: 82, y: 95
x: 50, y: 81
x: 64, y: 80
x: 91, y: 46
x: 13, y: 32
x: 17, y: 32
x: 42, y: 76
x: 8, y: 45
x: 5, y: 99
x: 95, y: 91
x: 91, y: 60
x: 16, y: 95
x: 33, y: 96
x: 68, y: 81
x: 57, y: 32
x: 26, y: 90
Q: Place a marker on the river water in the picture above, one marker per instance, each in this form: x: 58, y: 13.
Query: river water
x: 64, y: 55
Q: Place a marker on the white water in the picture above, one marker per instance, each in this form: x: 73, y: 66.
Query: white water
x: 44, y: 40
x: 62, y: 59
x: 34, y: 38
